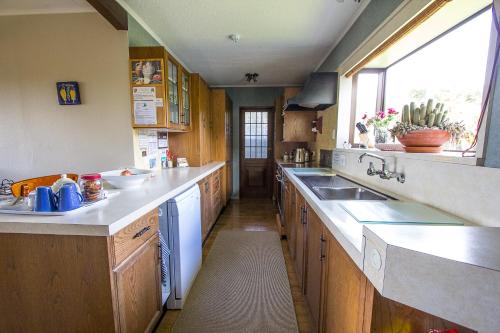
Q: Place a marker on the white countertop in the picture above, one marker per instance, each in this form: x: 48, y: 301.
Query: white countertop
x: 120, y: 210
x: 347, y: 231
x: 442, y: 270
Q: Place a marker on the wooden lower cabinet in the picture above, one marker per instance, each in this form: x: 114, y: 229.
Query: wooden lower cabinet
x: 314, y: 267
x: 67, y: 283
x: 137, y: 287
x: 299, y: 220
x: 339, y: 296
x: 290, y: 223
x: 344, y: 290
x: 211, y: 200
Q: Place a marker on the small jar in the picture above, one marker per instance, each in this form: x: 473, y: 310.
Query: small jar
x: 91, y: 186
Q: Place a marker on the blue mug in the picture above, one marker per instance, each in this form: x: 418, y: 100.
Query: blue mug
x: 68, y: 198
x: 45, y: 199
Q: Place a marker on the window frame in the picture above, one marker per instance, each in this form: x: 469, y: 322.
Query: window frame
x: 380, y: 95
x: 381, y: 89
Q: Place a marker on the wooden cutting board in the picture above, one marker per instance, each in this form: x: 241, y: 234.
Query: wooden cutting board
x: 398, y: 212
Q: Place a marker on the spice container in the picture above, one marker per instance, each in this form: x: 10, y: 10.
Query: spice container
x: 91, y: 186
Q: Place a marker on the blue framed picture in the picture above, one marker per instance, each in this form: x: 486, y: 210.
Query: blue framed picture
x: 68, y: 93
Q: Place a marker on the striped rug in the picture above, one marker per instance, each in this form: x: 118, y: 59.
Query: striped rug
x: 242, y: 287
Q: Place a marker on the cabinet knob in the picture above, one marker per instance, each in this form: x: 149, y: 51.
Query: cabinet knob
x: 376, y: 259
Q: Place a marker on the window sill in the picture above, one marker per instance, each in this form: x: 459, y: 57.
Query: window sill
x: 444, y: 157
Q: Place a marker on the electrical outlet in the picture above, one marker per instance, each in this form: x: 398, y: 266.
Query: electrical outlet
x: 334, y: 134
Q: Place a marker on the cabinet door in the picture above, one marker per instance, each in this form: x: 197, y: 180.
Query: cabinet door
x: 291, y: 226
x: 138, y: 289
x: 229, y: 181
x: 205, y: 207
x: 185, y: 114
x: 345, y: 289
x: 297, y: 126
x: 286, y: 204
x: 314, y: 267
x: 300, y: 242
x: 173, y: 93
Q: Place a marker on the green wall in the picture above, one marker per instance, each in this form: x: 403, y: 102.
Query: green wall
x: 137, y: 36
x: 373, y: 15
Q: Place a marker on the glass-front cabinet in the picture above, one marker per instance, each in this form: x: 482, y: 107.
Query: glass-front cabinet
x: 185, y: 101
x: 179, y: 105
x: 173, y: 93
x: 160, y: 90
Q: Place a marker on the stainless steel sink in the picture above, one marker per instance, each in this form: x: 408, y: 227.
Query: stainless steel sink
x: 346, y: 193
x: 339, y: 188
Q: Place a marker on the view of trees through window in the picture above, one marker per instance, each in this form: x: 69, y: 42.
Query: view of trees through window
x: 450, y: 70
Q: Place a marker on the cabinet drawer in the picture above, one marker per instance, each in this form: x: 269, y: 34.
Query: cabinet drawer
x: 134, y: 235
x: 216, y: 180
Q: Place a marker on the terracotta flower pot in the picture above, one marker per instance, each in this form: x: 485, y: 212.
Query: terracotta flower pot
x: 424, y: 141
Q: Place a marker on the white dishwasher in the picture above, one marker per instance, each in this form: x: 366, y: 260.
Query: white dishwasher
x: 181, y: 226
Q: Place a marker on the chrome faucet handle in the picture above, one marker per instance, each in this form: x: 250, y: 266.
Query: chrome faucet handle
x: 401, y: 178
x: 371, y: 170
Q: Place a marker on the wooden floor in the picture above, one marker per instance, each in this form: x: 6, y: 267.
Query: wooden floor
x: 251, y: 215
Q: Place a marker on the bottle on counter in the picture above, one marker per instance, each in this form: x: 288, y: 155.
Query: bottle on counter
x: 286, y: 157
x: 92, y: 187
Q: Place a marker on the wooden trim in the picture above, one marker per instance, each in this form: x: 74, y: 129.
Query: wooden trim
x: 380, y: 103
x: 352, y: 119
x: 426, y: 13
x: 112, y: 12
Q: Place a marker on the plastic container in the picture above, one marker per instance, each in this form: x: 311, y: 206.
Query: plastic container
x: 91, y: 186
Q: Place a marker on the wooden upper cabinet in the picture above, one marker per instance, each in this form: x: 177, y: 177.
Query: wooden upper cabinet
x: 170, y: 80
x: 185, y: 86
x: 195, y: 144
x: 295, y: 126
x: 173, y: 90
x: 221, y: 109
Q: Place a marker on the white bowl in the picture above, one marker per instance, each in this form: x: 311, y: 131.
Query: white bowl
x: 115, y: 178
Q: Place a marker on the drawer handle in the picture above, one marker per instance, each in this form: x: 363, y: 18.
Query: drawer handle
x: 142, y: 232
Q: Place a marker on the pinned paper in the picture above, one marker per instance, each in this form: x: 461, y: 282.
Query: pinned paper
x: 159, y: 102
x: 145, y: 112
x: 143, y: 93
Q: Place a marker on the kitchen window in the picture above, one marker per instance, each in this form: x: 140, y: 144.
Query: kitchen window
x: 450, y: 69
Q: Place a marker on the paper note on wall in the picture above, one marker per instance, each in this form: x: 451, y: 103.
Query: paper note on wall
x: 144, y: 93
x: 145, y: 112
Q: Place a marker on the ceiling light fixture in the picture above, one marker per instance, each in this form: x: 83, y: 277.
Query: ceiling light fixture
x: 234, y: 37
x: 251, y: 77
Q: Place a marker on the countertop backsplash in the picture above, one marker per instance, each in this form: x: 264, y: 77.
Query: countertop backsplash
x: 467, y: 191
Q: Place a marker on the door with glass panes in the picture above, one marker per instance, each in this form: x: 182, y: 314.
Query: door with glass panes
x: 256, y: 151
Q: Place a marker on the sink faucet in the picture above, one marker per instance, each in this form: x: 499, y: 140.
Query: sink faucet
x: 384, y: 173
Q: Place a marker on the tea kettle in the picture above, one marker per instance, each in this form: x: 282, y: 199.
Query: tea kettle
x: 300, y: 155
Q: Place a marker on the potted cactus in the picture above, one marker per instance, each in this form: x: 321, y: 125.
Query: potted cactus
x: 425, y: 128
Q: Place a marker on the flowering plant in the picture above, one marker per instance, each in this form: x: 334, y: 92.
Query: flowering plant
x: 381, y: 119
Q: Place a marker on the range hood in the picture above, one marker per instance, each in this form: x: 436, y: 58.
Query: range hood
x: 319, y: 93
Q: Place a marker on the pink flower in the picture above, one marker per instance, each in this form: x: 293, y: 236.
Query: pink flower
x: 391, y: 111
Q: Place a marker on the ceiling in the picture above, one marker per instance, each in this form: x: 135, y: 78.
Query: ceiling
x: 23, y: 7
x: 282, y: 40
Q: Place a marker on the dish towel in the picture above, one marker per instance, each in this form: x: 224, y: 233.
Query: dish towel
x: 165, y: 258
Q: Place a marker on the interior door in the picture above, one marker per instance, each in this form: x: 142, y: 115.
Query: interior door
x: 256, y: 152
